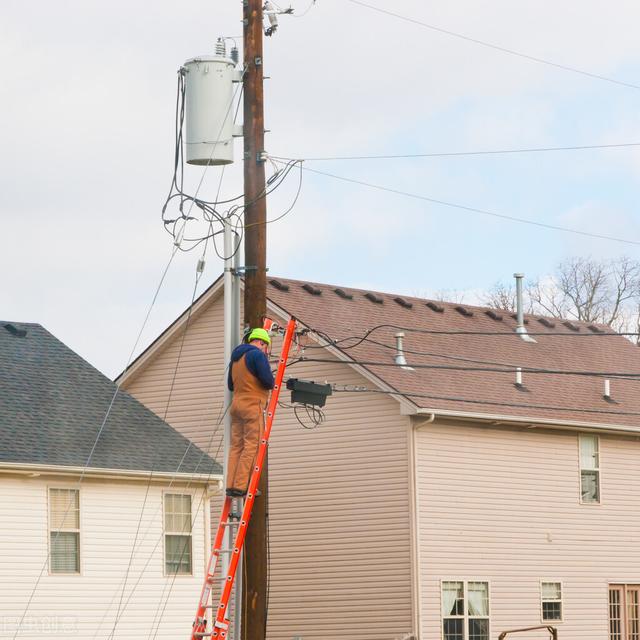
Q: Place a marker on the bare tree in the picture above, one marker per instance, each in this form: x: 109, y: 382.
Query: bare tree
x: 606, y: 292
x: 501, y: 296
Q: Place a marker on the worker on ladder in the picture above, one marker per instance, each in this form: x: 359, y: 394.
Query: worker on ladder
x: 250, y: 378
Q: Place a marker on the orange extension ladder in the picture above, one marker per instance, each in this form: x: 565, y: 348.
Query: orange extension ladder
x: 221, y: 620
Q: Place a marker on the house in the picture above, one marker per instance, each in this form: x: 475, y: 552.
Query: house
x: 451, y: 497
x: 86, y: 473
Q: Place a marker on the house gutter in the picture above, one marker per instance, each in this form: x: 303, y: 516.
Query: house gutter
x: 36, y: 470
x: 530, y: 422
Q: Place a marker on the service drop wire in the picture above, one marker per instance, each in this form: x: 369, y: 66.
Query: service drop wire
x: 409, y: 394
x: 431, y: 354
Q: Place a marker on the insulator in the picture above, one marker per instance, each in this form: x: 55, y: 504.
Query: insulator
x: 221, y: 48
x: 235, y: 54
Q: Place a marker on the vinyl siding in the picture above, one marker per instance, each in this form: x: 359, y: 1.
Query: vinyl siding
x: 85, y: 605
x: 503, y: 505
x: 339, y: 494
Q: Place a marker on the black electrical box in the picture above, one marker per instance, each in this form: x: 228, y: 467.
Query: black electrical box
x: 308, y: 392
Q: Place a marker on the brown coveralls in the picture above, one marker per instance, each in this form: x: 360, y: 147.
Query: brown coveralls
x: 247, y: 424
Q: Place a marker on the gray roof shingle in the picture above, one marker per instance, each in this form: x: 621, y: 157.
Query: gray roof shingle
x: 53, y: 404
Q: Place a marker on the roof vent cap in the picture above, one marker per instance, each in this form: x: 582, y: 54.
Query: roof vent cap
x: 314, y: 291
x: 373, y: 297
x: 400, y: 358
x: 14, y: 331
x: 343, y: 294
x: 438, y: 308
x: 281, y: 286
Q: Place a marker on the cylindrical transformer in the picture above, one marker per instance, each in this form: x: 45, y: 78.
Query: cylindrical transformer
x: 209, y: 110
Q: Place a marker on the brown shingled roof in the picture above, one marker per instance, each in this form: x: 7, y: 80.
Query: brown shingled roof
x: 320, y: 307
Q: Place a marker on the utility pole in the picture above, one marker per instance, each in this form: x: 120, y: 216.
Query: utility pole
x: 254, y: 623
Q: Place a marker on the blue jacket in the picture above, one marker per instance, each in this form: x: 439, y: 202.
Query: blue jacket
x: 257, y: 363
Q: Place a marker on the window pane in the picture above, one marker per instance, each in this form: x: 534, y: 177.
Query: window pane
x: 453, y: 629
x: 65, y: 552
x: 552, y: 611
x: 478, y: 629
x: 589, y: 452
x: 478, y: 598
x: 551, y: 591
x: 615, y: 614
x: 64, y: 509
x: 177, y: 513
x: 590, y: 488
x: 178, y: 554
x: 452, y: 599
x: 633, y: 614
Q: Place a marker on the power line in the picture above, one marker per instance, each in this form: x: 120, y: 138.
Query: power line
x: 409, y: 394
x: 450, y: 154
x: 496, y: 47
x: 463, y: 207
x: 510, y: 365
x: 630, y: 375
x: 454, y: 332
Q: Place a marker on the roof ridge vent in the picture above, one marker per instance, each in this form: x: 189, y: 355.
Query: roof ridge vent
x: 14, y: 331
x: 403, y: 303
x: 494, y: 315
x: 515, y: 317
x: 343, y: 294
x: 373, y: 297
x: 281, y: 286
x: 438, y: 308
x: 314, y: 291
x: 570, y: 325
x: 463, y: 311
x: 550, y: 324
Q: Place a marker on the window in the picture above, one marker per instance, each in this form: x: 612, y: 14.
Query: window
x: 589, y: 469
x: 551, y: 596
x: 624, y: 612
x: 64, y: 531
x: 465, y: 610
x: 177, y: 534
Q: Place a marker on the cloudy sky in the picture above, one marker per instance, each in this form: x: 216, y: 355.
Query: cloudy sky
x: 87, y: 100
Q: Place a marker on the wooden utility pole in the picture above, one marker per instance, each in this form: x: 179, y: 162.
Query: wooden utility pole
x: 254, y: 606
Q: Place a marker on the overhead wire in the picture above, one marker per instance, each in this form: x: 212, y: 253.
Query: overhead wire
x: 432, y: 354
x: 455, y: 154
x: 629, y: 375
x: 485, y: 212
x: 495, y: 47
x: 411, y: 394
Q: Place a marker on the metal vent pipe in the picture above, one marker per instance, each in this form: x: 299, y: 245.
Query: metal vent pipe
x: 520, y: 327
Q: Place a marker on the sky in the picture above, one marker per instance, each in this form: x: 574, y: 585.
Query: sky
x: 88, y: 98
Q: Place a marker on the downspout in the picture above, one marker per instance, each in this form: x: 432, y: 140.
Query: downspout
x: 415, y: 528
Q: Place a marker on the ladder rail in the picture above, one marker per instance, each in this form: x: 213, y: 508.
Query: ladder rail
x: 220, y: 622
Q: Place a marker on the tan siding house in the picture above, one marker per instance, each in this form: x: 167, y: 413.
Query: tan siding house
x: 440, y: 501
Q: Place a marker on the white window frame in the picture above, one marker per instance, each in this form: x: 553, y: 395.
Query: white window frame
x: 543, y: 600
x: 166, y: 533
x: 466, y: 617
x: 62, y: 487
x: 597, y: 468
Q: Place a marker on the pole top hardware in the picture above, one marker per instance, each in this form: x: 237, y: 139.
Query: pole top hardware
x: 239, y: 271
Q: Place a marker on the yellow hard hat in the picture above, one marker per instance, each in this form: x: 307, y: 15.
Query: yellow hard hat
x: 259, y: 334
